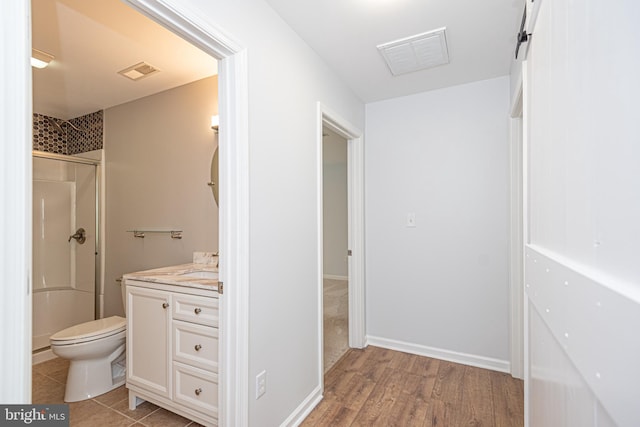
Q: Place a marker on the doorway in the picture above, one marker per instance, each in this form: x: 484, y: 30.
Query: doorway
x: 350, y: 258
x: 335, y: 251
x: 234, y: 196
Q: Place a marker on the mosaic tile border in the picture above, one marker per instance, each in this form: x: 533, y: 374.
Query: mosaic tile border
x: 46, y: 137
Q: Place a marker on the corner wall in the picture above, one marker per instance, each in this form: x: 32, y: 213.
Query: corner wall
x: 440, y: 288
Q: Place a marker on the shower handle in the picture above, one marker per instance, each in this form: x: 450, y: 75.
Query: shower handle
x: 80, y: 236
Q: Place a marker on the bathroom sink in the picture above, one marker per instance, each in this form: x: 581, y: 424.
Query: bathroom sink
x: 201, y: 274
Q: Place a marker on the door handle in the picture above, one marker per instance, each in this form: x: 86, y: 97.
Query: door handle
x: 80, y: 236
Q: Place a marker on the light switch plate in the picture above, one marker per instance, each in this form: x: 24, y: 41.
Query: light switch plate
x: 261, y: 384
x: 411, y: 220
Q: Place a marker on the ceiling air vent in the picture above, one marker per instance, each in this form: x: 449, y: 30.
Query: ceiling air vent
x: 417, y: 52
x: 139, y: 71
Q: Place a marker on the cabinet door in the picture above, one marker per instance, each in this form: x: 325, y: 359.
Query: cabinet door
x: 148, y: 340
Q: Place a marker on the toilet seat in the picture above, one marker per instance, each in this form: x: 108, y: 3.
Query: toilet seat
x: 90, y: 331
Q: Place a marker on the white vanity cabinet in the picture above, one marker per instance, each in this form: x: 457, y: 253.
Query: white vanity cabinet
x: 148, y: 326
x: 172, y: 348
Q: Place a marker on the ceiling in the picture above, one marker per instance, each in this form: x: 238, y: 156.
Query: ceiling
x: 93, y: 40
x: 481, y: 38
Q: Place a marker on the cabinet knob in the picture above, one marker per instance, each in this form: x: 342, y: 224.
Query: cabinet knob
x: 198, y: 347
x: 197, y: 310
x: 198, y: 391
x: 165, y: 304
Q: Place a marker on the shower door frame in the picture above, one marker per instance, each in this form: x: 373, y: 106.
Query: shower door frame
x: 98, y: 253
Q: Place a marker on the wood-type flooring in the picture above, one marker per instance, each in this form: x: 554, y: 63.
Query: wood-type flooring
x: 380, y: 387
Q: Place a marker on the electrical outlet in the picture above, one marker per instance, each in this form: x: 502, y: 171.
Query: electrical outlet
x: 261, y: 384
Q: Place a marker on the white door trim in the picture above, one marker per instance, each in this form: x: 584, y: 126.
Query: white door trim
x: 355, y: 207
x: 15, y: 197
x: 516, y: 245
x: 234, y: 196
x: 525, y: 234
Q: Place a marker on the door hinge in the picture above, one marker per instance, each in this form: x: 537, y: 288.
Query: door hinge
x: 221, y: 288
x: 349, y: 253
x: 522, y: 36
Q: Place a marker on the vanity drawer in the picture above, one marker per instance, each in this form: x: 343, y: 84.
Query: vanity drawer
x: 196, y: 309
x: 195, y: 345
x: 196, y: 389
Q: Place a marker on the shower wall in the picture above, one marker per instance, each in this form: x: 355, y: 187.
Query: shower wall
x: 47, y: 138
x: 64, y: 199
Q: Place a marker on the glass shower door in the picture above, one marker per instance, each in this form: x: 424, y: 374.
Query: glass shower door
x: 64, y: 246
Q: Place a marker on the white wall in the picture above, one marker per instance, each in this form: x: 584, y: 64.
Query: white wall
x: 335, y: 229
x: 286, y: 80
x: 581, y: 110
x: 158, y: 154
x: 440, y: 288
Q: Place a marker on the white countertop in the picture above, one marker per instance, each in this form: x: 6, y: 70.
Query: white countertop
x: 172, y: 275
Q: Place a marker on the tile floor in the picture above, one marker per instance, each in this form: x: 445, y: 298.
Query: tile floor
x: 107, y: 410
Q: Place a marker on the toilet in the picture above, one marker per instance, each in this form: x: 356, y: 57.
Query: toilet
x: 96, y: 354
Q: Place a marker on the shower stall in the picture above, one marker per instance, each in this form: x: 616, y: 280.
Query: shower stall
x: 65, y: 243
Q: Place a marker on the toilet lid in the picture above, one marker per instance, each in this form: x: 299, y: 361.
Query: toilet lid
x: 91, y: 330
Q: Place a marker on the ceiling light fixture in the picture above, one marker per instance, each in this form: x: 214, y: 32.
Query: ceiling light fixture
x: 40, y: 59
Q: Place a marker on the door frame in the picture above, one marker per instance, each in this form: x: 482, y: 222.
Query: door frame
x: 234, y: 195
x: 15, y: 191
x: 516, y: 232
x: 355, y: 223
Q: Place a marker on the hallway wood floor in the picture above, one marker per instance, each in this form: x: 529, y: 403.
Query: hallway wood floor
x: 380, y: 387
x: 335, y: 321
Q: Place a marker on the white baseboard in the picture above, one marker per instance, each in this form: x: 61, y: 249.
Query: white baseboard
x: 335, y: 277
x: 437, y: 353
x: 304, y: 409
x: 42, y: 356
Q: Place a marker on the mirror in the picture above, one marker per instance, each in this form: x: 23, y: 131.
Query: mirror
x: 214, y: 176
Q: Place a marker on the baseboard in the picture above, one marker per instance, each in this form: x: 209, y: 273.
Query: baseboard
x: 437, y: 353
x: 42, y: 356
x: 335, y: 277
x: 304, y: 409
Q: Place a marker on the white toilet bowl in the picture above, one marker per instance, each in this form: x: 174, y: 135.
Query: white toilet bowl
x: 96, y: 352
